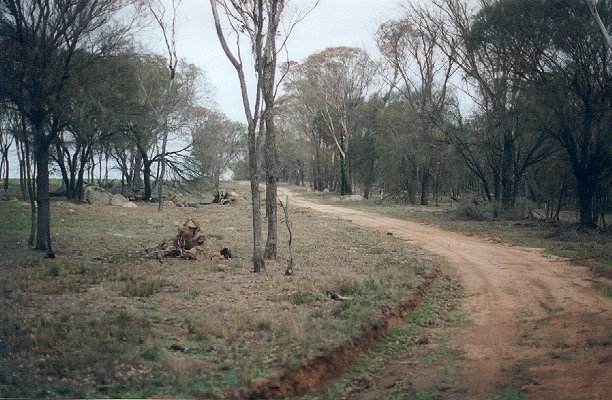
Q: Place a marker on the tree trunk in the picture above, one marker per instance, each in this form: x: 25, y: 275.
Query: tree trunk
x: 62, y: 166
x: 29, y: 180
x: 345, y: 179
x: 43, y: 221
x: 258, y: 262
x: 425, y: 179
x: 146, y: 176
x: 271, y: 163
x: 585, y: 190
x: 507, y: 174
x: 6, y: 173
x: 162, y: 172
x: 136, y: 170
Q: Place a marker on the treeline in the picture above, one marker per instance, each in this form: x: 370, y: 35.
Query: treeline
x: 509, y: 101
x: 78, y: 99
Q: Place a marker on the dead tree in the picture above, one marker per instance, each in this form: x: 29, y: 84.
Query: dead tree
x: 285, y: 207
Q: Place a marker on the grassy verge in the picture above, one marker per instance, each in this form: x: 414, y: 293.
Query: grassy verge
x: 105, y: 320
x: 422, y: 361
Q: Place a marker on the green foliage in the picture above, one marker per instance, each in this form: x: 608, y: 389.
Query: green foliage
x: 427, y: 394
x: 401, y: 337
x: 511, y: 394
x: 352, y: 309
x: 53, y: 270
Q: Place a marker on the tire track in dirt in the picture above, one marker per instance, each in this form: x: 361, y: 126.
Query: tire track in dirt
x: 536, y: 323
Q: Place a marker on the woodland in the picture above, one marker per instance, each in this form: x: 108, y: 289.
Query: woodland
x: 417, y: 200
x: 501, y: 102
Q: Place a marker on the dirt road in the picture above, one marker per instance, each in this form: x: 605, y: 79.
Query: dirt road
x: 535, y: 322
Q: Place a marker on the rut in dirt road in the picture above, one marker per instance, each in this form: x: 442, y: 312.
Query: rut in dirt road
x: 536, y: 323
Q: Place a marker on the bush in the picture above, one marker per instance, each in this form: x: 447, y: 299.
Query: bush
x: 471, y: 209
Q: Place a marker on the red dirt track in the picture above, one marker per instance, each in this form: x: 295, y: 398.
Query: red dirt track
x: 525, y: 309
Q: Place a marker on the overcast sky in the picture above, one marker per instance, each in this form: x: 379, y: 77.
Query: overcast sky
x: 332, y: 23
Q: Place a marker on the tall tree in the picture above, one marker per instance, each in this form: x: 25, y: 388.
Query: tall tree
x: 486, y: 62
x: 259, y: 22
x: 421, y: 74
x: 335, y: 82
x: 46, y: 41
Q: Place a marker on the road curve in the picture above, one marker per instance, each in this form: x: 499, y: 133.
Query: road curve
x: 525, y: 309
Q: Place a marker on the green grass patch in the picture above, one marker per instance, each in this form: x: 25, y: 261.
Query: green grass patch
x: 511, y: 394
x: 53, y: 270
x: 401, y: 337
x: 427, y: 394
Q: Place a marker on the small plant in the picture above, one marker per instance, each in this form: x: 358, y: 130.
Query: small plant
x: 263, y: 325
x: 152, y: 354
x: 512, y: 395
x: 427, y: 394
x: 53, y: 270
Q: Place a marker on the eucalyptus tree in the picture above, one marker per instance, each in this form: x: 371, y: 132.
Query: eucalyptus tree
x: 147, y: 109
x: 40, y: 41
x: 296, y: 147
x: 168, y: 28
x: 564, y: 57
x: 217, y: 143
x: 486, y: 63
x: 88, y: 125
x: 335, y: 82
x: 420, y: 72
x: 259, y: 22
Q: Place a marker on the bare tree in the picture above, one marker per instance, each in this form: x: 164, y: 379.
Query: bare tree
x: 169, y: 32
x: 259, y: 21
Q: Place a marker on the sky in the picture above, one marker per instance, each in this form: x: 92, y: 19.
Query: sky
x: 332, y: 23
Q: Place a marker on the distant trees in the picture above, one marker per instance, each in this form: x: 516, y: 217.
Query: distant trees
x: 217, y: 143
x: 80, y: 98
x: 7, y: 137
x: 465, y: 105
x: 332, y: 84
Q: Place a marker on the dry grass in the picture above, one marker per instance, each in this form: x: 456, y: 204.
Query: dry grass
x: 105, y: 320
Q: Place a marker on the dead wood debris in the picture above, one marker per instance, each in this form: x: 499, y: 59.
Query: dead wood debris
x: 337, y: 297
x: 187, y: 244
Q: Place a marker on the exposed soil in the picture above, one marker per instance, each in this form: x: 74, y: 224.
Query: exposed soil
x: 536, y: 324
